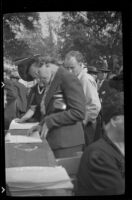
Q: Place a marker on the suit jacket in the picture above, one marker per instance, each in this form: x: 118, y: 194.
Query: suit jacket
x: 101, y: 170
x: 65, y: 127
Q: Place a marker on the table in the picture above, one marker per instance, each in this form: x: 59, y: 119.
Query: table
x: 42, y: 156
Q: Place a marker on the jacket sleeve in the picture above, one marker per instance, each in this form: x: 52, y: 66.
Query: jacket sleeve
x: 102, y: 175
x: 75, y: 100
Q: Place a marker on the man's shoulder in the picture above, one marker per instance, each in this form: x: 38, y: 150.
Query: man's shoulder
x: 67, y: 76
x: 95, y: 146
x: 86, y: 78
x: 97, y: 150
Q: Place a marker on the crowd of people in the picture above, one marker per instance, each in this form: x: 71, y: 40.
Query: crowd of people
x: 78, y: 109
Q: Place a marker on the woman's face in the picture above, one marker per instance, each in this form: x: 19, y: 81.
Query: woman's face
x: 33, y: 70
x: 44, y: 73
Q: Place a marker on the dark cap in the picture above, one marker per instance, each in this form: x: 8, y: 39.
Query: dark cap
x: 92, y: 69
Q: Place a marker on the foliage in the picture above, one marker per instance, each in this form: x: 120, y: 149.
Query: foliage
x: 98, y: 35
x: 13, y: 26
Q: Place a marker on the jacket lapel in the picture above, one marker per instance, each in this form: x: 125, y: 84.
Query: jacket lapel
x: 53, y: 87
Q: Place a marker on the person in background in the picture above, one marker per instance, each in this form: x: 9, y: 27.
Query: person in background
x: 14, y: 76
x: 106, y: 91
x: 7, y: 73
x: 10, y: 97
x: 74, y: 62
x: 101, y: 170
x: 62, y: 107
x: 117, y: 82
x: 33, y: 113
x: 102, y: 82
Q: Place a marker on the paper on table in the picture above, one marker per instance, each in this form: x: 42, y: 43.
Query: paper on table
x: 21, y: 139
x: 15, y: 125
x: 41, y: 186
x: 36, y: 174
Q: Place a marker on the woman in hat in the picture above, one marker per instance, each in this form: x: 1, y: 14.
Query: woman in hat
x: 62, y: 108
x: 27, y: 69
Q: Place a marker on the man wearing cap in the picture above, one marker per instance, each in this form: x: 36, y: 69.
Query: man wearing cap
x: 74, y: 62
x: 62, y: 106
x: 101, y: 170
x: 102, y: 82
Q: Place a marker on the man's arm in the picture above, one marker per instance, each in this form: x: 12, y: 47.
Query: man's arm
x: 75, y: 100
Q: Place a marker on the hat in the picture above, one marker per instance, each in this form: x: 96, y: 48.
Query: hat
x: 103, y: 69
x: 24, y: 65
x: 92, y: 69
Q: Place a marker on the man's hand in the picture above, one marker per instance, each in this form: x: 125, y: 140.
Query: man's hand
x: 34, y: 129
x: 44, y: 131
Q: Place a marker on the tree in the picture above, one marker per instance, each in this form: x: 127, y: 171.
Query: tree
x: 13, y: 26
x: 98, y: 35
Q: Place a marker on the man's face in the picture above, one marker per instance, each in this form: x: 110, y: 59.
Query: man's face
x: 44, y: 73
x: 72, y: 65
x: 120, y: 126
x: 102, y: 75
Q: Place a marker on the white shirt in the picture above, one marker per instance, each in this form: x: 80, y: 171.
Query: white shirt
x: 93, y: 104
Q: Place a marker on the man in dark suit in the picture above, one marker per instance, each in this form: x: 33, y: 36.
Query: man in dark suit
x: 101, y: 170
x: 62, y: 108
x: 102, y: 82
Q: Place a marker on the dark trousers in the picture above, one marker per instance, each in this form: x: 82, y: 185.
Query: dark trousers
x: 89, y: 133
x: 99, y: 127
